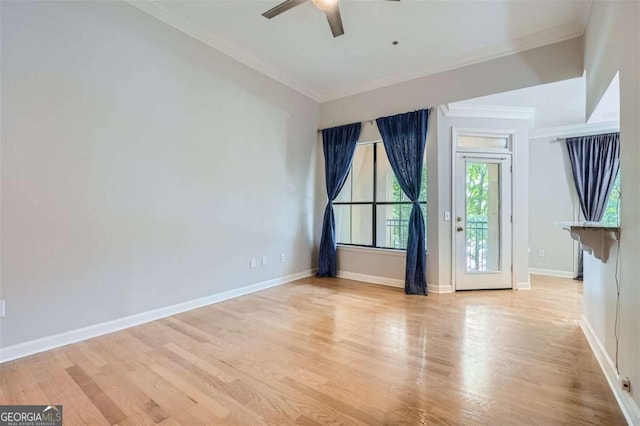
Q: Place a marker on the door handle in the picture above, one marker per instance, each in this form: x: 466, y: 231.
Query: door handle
x: 460, y: 229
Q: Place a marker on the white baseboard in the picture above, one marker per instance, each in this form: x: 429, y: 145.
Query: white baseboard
x: 437, y: 288
x: 523, y: 285
x: 625, y: 401
x: 552, y: 273
x: 51, y: 342
x: 391, y: 282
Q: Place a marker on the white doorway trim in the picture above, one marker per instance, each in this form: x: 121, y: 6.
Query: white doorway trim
x: 510, y: 134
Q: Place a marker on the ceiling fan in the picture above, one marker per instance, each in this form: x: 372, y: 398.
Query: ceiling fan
x: 329, y: 7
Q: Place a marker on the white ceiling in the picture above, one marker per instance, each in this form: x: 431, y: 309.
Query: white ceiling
x: 297, y: 49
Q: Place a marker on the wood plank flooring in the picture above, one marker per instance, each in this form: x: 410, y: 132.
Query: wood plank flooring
x: 333, y: 351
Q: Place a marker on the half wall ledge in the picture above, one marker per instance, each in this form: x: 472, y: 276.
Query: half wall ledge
x: 596, y: 238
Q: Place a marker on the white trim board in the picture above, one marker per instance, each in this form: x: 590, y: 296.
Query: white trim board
x: 390, y: 282
x: 552, y: 273
x: 461, y: 109
x: 575, y: 130
x: 73, y: 336
x: 629, y: 408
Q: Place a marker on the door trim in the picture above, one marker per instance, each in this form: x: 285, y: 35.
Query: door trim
x: 508, y: 133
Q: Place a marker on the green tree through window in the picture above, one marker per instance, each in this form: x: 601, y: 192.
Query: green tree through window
x: 477, y: 214
x: 372, y: 210
x: 477, y: 191
x: 612, y: 211
x: 402, y: 212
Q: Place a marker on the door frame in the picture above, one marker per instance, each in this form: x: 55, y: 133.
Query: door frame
x: 510, y: 134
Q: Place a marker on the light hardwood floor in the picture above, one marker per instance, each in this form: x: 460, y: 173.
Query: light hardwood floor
x: 333, y: 351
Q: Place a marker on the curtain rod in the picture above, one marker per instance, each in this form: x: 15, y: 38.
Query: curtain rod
x: 371, y: 121
x: 583, y: 135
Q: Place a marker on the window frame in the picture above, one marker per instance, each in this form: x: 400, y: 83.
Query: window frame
x: 374, y: 203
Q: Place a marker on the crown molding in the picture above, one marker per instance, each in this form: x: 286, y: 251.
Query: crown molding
x: 575, y: 130
x: 158, y: 11
x: 530, y: 41
x: 488, y: 111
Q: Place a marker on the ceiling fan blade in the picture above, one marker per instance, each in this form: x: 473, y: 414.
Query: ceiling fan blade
x: 335, y: 21
x: 282, y: 7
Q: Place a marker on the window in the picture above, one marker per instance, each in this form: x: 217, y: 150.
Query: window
x: 612, y: 211
x: 372, y: 210
x: 480, y: 142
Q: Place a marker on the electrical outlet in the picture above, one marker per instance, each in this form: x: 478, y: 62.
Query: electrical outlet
x: 253, y: 263
x: 2, y: 311
x: 264, y: 260
x: 283, y: 258
x: 626, y: 384
x: 540, y: 253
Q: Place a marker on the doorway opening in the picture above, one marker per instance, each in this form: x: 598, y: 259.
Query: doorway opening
x: 482, y: 232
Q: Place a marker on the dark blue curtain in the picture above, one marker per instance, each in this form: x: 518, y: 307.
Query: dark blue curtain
x: 339, y: 144
x: 595, y: 162
x: 404, y: 137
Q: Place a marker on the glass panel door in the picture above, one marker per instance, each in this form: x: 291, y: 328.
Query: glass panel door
x: 482, y: 216
x: 482, y: 232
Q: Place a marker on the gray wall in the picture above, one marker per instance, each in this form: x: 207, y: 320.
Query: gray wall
x: 552, y: 198
x: 602, y: 58
x: 608, y: 48
x: 555, y: 62
x: 547, y: 64
x: 140, y: 168
x: 373, y: 263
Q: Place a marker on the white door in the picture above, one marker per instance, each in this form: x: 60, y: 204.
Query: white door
x: 483, y: 221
